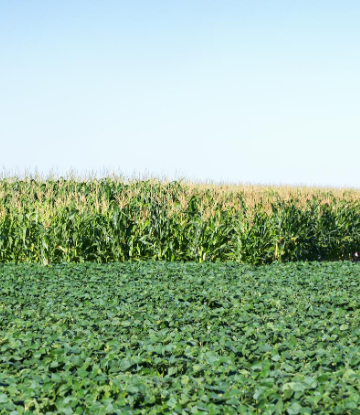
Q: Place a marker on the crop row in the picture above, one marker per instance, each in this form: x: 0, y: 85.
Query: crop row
x: 108, y: 220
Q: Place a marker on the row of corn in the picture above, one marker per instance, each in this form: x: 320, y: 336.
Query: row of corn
x: 101, y: 220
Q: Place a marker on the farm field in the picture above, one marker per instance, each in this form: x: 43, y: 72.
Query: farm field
x: 180, y: 338
x: 106, y: 220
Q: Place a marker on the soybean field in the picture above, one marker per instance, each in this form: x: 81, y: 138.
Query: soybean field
x: 180, y: 338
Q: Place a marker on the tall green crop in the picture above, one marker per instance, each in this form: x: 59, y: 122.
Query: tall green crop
x: 105, y: 220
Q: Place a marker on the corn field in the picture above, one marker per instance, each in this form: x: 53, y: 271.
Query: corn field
x: 113, y: 219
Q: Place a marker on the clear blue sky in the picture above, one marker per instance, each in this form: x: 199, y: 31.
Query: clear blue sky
x: 231, y: 90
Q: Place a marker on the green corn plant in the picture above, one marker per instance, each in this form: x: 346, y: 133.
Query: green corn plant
x: 105, y: 220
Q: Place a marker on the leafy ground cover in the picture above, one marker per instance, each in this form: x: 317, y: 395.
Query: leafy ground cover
x: 172, y: 338
x: 55, y: 221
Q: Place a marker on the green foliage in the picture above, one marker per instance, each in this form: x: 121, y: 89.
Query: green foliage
x: 107, y: 220
x: 169, y: 338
